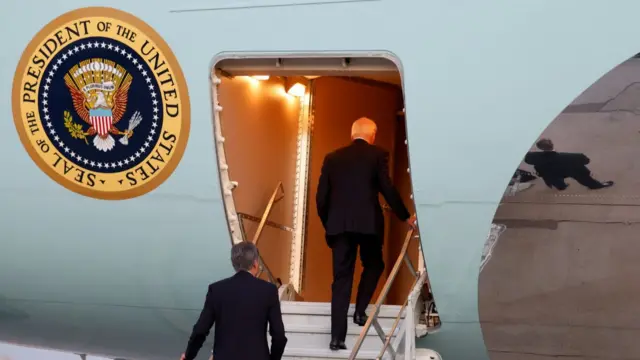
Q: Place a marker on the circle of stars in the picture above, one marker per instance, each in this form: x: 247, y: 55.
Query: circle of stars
x: 94, y: 164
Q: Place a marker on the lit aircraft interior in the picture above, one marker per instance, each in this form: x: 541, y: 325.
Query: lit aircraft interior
x: 262, y: 131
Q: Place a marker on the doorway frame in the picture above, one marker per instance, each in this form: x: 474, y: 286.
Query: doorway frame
x: 303, y: 157
x: 303, y: 152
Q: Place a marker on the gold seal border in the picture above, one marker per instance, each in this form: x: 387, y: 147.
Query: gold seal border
x: 184, y: 98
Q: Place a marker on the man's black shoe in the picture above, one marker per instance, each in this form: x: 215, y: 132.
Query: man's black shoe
x: 360, y: 319
x: 336, y: 344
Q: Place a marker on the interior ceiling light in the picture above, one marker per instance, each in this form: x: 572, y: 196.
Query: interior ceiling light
x: 295, y: 86
x: 297, y: 89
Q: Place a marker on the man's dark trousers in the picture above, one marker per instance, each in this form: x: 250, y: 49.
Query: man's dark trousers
x: 345, y: 247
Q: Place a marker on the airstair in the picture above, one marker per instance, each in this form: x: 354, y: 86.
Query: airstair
x: 309, y: 332
x: 390, y: 332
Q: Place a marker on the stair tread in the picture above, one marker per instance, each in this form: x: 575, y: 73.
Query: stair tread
x: 328, y: 353
x: 314, y: 303
x: 308, y: 326
x: 327, y: 304
x: 352, y: 329
x: 324, y: 309
x: 320, y: 341
x: 325, y: 320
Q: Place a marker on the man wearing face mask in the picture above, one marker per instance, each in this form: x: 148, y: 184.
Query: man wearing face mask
x: 240, y: 307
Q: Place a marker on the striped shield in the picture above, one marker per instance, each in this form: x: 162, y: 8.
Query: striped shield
x: 101, y: 120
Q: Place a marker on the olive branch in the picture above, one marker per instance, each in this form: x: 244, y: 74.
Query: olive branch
x: 74, y: 129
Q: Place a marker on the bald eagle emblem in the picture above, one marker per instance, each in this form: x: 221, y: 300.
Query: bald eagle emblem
x: 99, y: 89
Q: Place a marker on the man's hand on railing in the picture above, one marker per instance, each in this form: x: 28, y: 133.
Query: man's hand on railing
x: 412, y: 222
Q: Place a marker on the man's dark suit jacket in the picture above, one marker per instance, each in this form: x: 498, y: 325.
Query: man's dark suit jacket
x: 240, y: 307
x: 347, y: 196
x: 555, y: 164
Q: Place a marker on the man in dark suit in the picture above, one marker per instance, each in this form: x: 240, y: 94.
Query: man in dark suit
x: 554, y: 167
x: 348, y: 206
x: 240, y: 307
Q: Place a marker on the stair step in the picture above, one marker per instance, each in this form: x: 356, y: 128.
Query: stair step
x: 320, y: 354
x: 352, y: 329
x: 318, y: 338
x: 317, y: 308
x: 308, y: 327
x: 321, y: 341
x: 313, y: 354
x: 324, y: 321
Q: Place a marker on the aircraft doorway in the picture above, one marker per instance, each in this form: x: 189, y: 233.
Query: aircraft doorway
x: 337, y: 102
x: 276, y: 119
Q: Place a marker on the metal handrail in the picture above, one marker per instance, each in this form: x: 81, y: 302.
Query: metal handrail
x: 262, y: 222
x: 267, y: 211
x: 373, y: 318
x: 273, y: 224
x: 262, y: 266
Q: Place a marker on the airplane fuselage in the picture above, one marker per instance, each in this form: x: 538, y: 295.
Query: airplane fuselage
x: 118, y: 264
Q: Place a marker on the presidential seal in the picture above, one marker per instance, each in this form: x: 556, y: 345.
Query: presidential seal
x: 101, y: 104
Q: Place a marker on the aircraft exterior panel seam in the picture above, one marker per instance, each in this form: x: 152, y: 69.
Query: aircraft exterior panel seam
x: 266, y: 4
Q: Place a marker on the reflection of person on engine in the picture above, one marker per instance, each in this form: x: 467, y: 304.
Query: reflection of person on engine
x: 554, y: 167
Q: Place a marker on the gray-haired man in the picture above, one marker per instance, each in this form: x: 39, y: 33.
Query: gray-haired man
x: 240, y: 307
